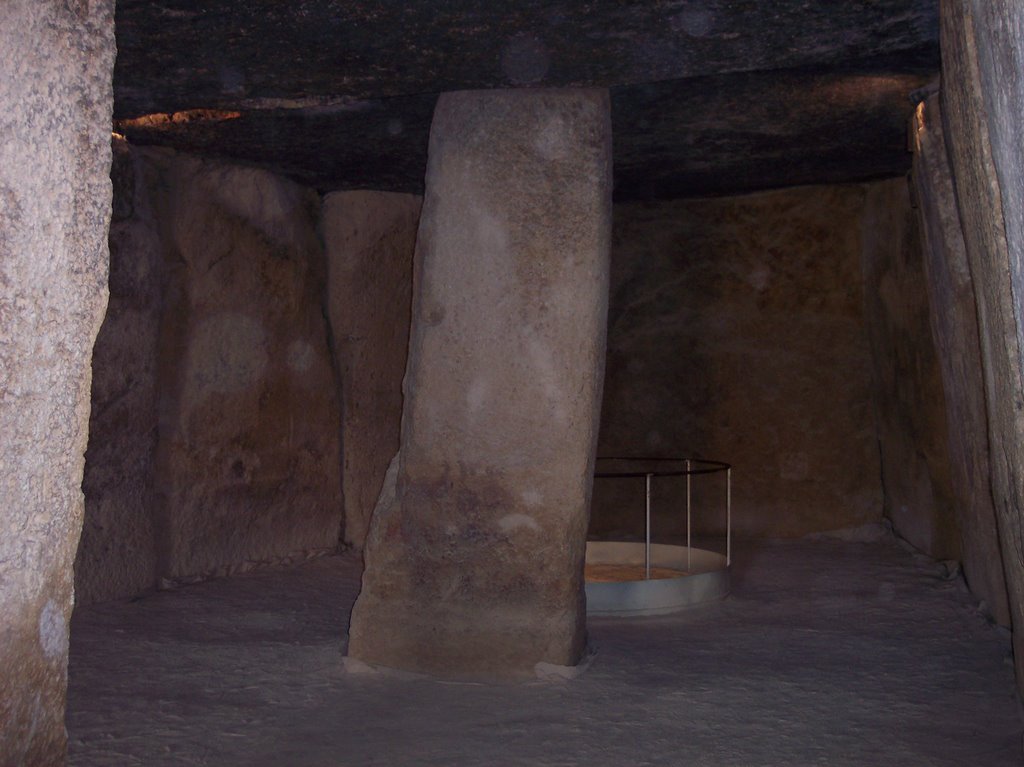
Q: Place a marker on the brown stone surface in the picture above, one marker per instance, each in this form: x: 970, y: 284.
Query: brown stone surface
x: 369, y: 239
x: 971, y: 103
x: 474, y: 561
x: 117, y: 552
x: 736, y: 333
x: 248, y: 460
x: 954, y: 324
x: 910, y: 412
x: 55, y: 111
x: 214, y: 437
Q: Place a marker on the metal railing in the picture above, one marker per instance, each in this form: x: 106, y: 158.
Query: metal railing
x: 649, y: 468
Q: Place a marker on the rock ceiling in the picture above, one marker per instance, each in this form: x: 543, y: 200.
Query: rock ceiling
x: 708, y: 96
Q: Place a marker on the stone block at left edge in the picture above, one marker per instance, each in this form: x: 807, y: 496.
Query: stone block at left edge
x: 474, y: 560
x: 55, y: 111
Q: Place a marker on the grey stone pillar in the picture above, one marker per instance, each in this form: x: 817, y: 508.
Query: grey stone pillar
x: 55, y: 111
x: 954, y: 322
x: 982, y: 43
x: 474, y: 561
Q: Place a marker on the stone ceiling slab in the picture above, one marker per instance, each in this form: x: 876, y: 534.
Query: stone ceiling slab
x: 708, y: 96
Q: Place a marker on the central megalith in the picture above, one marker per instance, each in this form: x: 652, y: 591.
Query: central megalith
x: 474, y: 559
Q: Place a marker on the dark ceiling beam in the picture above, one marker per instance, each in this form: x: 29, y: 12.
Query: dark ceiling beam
x: 224, y: 54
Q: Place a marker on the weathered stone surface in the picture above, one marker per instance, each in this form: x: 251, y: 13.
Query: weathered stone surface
x: 476, y: 563
x: 228, y: 54
x: 248, y: 461
x: 715, y: 97
x: 380, y: 145
x: 737, y: 133
x: 369, y: 239
x: 699, y: 136
x: 973, y: 105
x: 910, y: 410
x: 736, y: 332
x: 954, y: 324
x: 55, y: 111
x: 117, y: 552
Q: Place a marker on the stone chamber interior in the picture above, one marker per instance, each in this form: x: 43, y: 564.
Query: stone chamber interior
x: 386, y: 279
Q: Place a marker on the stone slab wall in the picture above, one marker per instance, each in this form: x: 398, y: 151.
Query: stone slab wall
x: 55, y: 113
x: 215, y: 442
x: 954, y: 321
x: 910, y: 409
x: 474, y: 560
x: 982, y: 84
x: 736, y: 332
x: 117, y: 551
x: 248, y: 460
x: 369, y: 239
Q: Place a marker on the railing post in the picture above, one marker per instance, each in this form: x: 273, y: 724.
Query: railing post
x: 728, y: 516
x: 688, y: 525
x: 647, y: 545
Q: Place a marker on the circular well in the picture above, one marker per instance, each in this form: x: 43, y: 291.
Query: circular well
x: 706, y: 580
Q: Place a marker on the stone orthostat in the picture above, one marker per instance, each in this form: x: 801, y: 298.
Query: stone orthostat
x: 474, y: 560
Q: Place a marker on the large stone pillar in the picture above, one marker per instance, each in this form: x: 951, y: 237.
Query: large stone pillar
x: 982, y: 41
x: 954, y: 322
x: 55, y: 111
x: 474, y: 561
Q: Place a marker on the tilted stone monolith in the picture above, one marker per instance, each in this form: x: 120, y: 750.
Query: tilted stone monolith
x: 954, y: 322
x: 982, y: 84
x: 474, y: 560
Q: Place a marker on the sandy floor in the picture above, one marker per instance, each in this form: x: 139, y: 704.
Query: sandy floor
x: 828, y: 653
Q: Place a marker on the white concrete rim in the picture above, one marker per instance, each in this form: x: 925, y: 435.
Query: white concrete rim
x: 707, y: 579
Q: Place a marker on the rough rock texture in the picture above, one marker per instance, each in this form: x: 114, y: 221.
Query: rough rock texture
x: 979, y: 109
x: 736, y: 333
x: 117, y: 551
x: 228, y: 54
x: 699, y: 136
x: 910, y: 410
x: 474, y: 560
x: 369, y: 239
x: 248, y: 459
x: 55, y: 110
x: 954, y: 322
x: 729, y: 134
x: 715, y: 96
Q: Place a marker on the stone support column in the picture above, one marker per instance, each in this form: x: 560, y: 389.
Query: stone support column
x: 55, y: 112
x: 474, y: 560
x: 954, y: 322
x: 982, y: 82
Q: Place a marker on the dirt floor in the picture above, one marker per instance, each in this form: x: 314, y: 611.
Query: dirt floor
x: 828, y: 652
